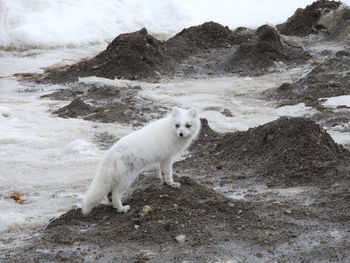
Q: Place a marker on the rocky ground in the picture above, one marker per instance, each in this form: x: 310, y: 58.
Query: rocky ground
x: 275, y: 193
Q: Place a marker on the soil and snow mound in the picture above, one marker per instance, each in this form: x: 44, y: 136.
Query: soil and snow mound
x: 260, y: 54
x: 206, y: 36
x: 134, y: 55
x: 75, y: 109
x: 337, y: 24
x: 330, y: 18
x: 109, y: 112
x: 288, y: 151
x: 328, y: 79
x: 159, y: 214
x: 305, y: 21
x: 139, y: 55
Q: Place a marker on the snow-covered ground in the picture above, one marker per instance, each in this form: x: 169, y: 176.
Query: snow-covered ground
x: 49, y: 161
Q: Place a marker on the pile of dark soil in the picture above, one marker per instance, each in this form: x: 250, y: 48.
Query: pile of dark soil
x: 106, y: 104
x: 203, y: 37
x: 208, y: 221
x: 76, y: 108
x: 94, y: 93
x: 328, y: 79
x: 192, y: 210
x: 206, y: 135
x: 111, y: 112
x: 288, y: 152
x: 201, y: 149
x: 260, y: 54
x: 337, y: 24
x: 135, y: 55
x: 139, y: 55
x: 305, y: 21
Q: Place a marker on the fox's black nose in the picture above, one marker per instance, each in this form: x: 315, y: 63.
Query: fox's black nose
x: 181, y: 134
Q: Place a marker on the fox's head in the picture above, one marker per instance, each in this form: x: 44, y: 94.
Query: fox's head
x: 185, y: 122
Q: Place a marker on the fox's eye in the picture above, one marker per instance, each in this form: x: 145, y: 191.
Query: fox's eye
x: 188, y: 126
x: 177, y: 125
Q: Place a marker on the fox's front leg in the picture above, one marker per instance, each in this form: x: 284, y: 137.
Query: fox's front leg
x: 166, y: 173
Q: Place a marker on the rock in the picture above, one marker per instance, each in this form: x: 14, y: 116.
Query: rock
x: 180, y: 239
x: 145, y: 210
x: 231, y: 204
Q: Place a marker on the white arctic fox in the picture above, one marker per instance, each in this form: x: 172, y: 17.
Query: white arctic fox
x: 155, y: 143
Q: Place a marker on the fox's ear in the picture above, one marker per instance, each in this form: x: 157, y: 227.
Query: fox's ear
x: 175, y: 111
x: 192, y: 112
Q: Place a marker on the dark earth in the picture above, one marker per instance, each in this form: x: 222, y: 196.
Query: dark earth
x: 204, y: 50
x: 306, y: 21
x: 278, y: 192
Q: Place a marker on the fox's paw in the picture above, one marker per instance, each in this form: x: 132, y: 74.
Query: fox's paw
x: 174, y: 184
x: 124, y: 209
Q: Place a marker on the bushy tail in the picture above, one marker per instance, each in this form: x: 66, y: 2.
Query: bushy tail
x: 101, y: 184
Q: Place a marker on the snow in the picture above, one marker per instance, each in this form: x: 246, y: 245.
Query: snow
x: 50, y: 23
x: 4, y: 112
x: 235, y: 94
x: 80, y: 146
x: 334, y: 102
x: 49, y: 160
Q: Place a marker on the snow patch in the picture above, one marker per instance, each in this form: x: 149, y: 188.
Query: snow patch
x: 335, y: 102
x: 80, y: 146
x: 4, y: 112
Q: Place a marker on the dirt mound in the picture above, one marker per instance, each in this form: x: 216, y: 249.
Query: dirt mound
x: 139, y: 55
x: 305, y: 21
x: 262, y: 53
x: 206, y: 36
x: 201, y: 149
x: 75, y: 109
x: 206, y: 133
x: 337, y: 24
x: 109, y: 112
x: 199, y: 50
x: 136, y: 55
x: 192, y: 210
x: 288, y: 152
x: 328, y: 79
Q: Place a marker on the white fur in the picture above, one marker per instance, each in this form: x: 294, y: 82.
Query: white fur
x: 155, y: 143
